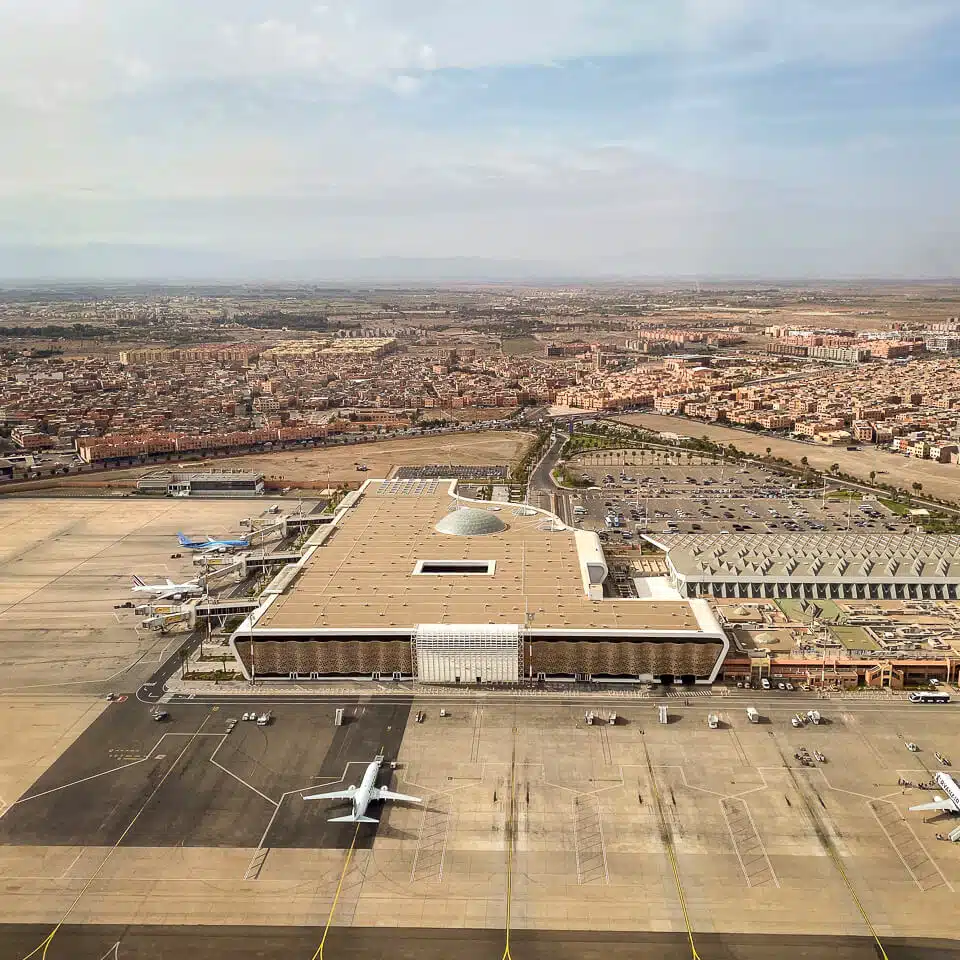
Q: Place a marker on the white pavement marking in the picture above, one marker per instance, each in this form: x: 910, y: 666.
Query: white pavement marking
x: 123, y: 766
x: 900, y: 822
x: 230, y: 773
x: 63, y: 875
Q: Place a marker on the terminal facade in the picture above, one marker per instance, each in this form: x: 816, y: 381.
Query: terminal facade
x: 413, y: 581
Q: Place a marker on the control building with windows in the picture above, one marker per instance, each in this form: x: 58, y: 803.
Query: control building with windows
x: 824, y: 566
x: 411, y: 580
x: 220, y: 483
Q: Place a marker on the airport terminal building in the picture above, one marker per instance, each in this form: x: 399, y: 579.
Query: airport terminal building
x: 411, y: 580
x: 813, y: 566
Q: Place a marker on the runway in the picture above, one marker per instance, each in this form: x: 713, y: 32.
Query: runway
x: 363, y: 943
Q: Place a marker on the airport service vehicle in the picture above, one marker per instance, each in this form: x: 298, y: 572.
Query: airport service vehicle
x: 929, y: 696
x: 159, y: 714
x: 912, y: 747
x: 211, y: 544
x: 948, y: 804
x: 752, y: 715
x: 263, y: 720
x: 713, y: 721
x: 765, y: 683
x: 361, y: 797
x: 814, y: 716
x: 820, y: 758
x: 168, y: 590
x: 797, y: 720
x: 942, y: 759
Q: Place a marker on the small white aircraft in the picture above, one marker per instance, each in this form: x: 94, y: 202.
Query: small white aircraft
x: 361, y: 796
x: 948, y: 804
x: 168, y: 590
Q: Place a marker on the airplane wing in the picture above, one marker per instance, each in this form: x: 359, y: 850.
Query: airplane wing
x: 381, y: 793
x: 939, y: 803
x: 335, y: 795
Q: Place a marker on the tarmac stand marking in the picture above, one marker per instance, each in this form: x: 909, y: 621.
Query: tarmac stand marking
x: 432, y: 842
x: 908, y: 848
x: 751, y: 853
x: 588, y: 841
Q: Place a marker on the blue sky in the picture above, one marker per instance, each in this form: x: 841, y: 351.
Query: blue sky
x: 747, y: 137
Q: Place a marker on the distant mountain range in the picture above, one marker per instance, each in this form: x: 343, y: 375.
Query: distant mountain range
x: 31, y: 265
x: 107, y: 262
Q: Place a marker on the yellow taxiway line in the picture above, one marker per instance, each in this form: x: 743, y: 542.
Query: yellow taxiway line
x: 333, y: 906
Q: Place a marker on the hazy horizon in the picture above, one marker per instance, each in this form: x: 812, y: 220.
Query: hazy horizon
x: 575, y: 138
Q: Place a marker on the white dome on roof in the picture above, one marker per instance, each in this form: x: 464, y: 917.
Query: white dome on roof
x: 471, y: 522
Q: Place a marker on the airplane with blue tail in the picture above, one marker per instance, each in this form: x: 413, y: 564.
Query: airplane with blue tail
x: 211, y: 544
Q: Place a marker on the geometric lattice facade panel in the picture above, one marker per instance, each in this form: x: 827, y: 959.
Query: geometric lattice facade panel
x: 468, y: 652
x: 354, y: 657
x: 623, y: 657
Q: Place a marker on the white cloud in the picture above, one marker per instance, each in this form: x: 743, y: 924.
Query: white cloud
x: 55, y: 51
x: 406, y: 85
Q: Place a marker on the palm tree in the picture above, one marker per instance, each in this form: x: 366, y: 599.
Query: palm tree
x: 873, y: 475
x: 769, y: 451
x: 917, y: 487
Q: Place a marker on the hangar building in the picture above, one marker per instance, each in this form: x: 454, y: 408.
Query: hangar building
x: 411, y: 580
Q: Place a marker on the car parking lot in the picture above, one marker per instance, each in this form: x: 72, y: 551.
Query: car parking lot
x: 457, y: 471
x: 714, y: 498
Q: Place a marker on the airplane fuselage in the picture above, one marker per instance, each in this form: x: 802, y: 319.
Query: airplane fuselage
x: 948, y: 804
x: 187, y: 589
x: 949, y: 786
x: 361, y: 799
x: 210, y: 544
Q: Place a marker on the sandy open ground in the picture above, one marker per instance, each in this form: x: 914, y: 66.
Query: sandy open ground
x: 938, y: 479
x: 339, y: 463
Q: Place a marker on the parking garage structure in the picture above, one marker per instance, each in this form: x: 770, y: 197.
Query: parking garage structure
x: 813, y: 566
x: 412, y: 580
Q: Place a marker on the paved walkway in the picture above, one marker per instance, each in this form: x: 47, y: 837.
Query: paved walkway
x: 369, y: 688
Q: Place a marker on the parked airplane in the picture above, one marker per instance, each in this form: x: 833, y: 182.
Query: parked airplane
x: 948, y: 804
x: 209, y: 544
x: 363, y: 795
x: 163, y: 591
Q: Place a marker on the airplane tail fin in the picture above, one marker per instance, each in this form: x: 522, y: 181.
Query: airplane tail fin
x: 184, y: 540
x: 352, y: 819
x: 137, y: 582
